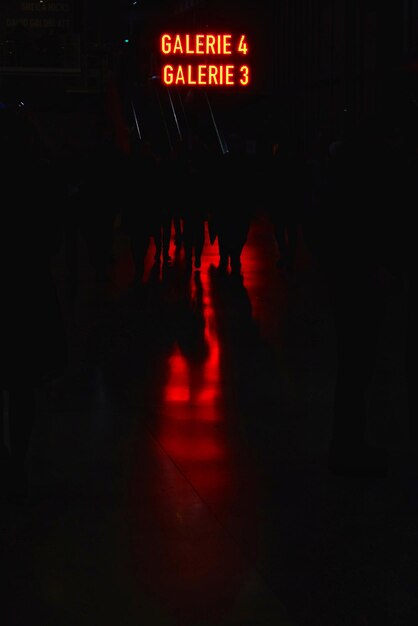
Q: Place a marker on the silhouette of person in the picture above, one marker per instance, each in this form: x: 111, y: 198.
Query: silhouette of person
x: 176, y: 181
x: 353, y: 251
x: 191, y: 325
x: 233, y: 208
x: 317, y: 179
x: 72, y: 177
x: 162, y: 200
x: 286, y: 188
x: 140, y: 212
x: 100, y: 199
x: 399, y: 263
x: 195, y: 201
x: 32, y: 334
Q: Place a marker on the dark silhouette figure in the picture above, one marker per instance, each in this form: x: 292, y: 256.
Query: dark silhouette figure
x: 100, y: 202
x: 317, y: 175
x: 233, y: 207
x: 162, y: 235
x: 355, y: 243
x: 163, y: 204
x: 399, y: 274
x: 195, y: 204
x: 141, y: 211
x: 286, y: 189
x: 177, y: 172
x: 33, y: 340
x: 72, y: 179
x: 191, y: 326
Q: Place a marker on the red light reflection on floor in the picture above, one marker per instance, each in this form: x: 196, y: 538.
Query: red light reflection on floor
x: 178, y: 389
x: 196, y: 571
x: 194, y: 381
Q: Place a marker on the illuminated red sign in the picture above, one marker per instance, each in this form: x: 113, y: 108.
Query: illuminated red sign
x: 204, y: 59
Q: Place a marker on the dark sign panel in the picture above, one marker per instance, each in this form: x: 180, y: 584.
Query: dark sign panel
x: 40, y: 34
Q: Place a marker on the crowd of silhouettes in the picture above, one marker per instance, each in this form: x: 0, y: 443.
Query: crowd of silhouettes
x: 186, y: 193
x: 351, y: 208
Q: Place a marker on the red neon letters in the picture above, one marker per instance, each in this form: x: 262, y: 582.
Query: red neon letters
x: 208, y: 71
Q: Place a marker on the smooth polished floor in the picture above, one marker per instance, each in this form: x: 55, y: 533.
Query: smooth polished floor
x: 178, y: 472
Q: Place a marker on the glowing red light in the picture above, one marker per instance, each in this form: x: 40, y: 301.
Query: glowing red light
x: 196, y: 44
x: 209, y: 47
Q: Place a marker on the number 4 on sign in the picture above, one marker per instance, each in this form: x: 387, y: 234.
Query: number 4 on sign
x: 242, y: 46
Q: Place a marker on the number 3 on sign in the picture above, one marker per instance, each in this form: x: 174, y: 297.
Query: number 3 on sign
x: 245, y: 74
x: 243, y: 46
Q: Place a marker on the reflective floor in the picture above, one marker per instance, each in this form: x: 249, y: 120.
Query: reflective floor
x: 178, y: 472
